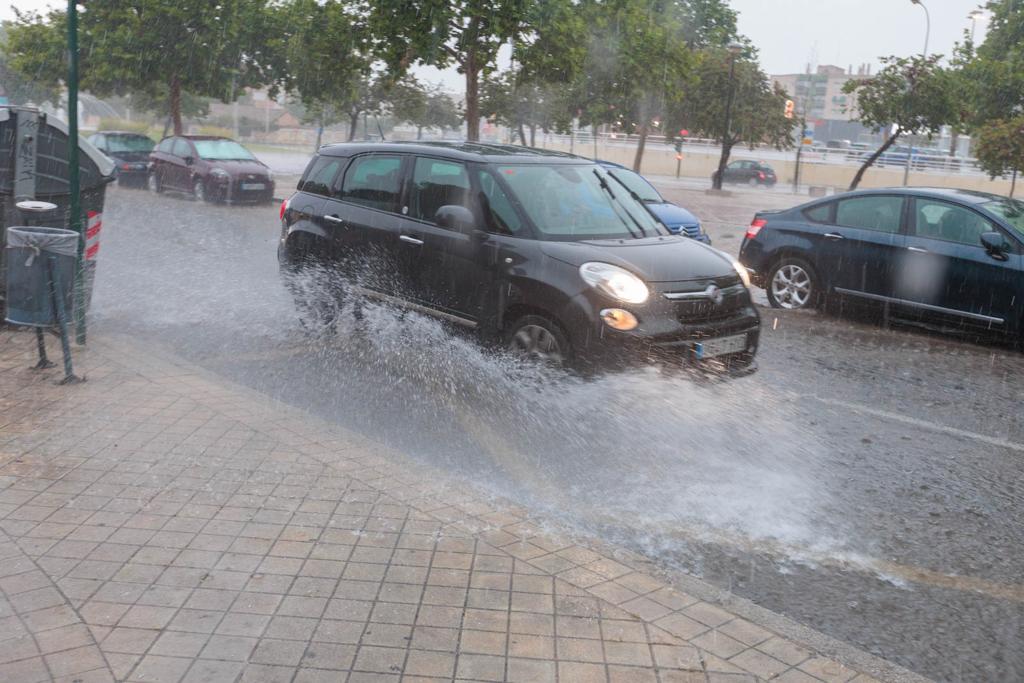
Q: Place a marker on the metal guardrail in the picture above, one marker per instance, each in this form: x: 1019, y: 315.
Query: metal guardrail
x: 921, y: 161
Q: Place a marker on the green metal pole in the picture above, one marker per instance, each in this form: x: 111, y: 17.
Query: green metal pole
x: 75, y: 210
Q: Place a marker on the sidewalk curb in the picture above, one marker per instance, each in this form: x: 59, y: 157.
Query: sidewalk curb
x: 165, y: 362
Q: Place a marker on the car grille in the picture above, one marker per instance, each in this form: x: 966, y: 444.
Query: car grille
x: 693, y: 304
x: 688, y: 230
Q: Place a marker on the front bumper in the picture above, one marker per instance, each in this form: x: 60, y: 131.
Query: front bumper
x: 232, y: 190
x: 663, y: 336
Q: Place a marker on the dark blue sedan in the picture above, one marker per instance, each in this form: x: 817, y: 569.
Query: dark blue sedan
x: 954, y: 257
x: 678, y: 220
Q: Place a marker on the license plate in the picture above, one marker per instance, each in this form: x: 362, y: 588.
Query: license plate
x: 720, y: 347
x: 253, y: 186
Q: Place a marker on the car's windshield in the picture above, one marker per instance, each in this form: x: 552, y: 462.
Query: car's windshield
x: 1010, y: 210
x: 221, y: 150
x: 129, y: 143
x: 577, y: 202
x: 636, y: 184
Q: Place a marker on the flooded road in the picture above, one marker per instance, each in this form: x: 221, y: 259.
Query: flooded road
x: 866, y: 482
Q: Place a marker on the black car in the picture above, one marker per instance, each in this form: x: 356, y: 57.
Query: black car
x: 129, y: 152
x: 753, y: 173
x: 543, y: 252
x: 952, y: 257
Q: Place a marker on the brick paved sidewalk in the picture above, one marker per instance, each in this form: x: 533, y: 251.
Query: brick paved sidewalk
x: 159, y: 524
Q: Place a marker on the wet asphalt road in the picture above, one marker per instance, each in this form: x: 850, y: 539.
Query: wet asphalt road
x: 866, y: 482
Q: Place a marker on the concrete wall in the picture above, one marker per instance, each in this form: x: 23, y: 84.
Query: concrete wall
x: 661, y: 160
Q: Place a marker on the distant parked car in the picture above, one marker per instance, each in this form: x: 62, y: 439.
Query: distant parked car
x: 678, y: 220
x: 129, y: 152
x: 210, y: 168
x: 954, y: 256
x: 751, y: 173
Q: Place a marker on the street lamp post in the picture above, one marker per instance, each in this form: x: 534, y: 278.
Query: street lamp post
x: 74, y: 198
x: 734, y: 49
x: 927, y: 33
x: 974, y: 16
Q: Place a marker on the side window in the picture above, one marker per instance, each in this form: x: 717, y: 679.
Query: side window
x: 373, y: 180
x: 181, y: 148
x: 935, y: 219
x: 871, y: 212
x: 437, y: 183
x: 166, y: 145
x: 822, y: 213
x: 500, y: 215
x: 320, y: 176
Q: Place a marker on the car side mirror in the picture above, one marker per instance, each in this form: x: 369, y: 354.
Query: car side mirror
x: 995, y: 244
x: 454, y: 217
x: 189, y: 161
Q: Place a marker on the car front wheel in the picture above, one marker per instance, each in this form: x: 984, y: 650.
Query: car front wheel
x: 199, y: 190
x: 792, y: 284
x: 536, y: 338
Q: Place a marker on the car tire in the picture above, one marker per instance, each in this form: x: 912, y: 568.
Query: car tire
x: 538, y: 339
x: 199, y: 190
x: 154, y: 184
x: 792, y: 284
x: 753, y: 182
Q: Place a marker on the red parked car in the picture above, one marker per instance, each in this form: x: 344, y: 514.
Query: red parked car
x: 211, y: 168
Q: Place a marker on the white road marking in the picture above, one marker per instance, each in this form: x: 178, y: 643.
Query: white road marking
x: 924, y: 424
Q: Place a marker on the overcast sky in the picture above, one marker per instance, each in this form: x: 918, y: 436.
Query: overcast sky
x: 791, y: 33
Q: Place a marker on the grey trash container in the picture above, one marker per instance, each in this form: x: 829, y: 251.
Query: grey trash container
x: 38, y: 259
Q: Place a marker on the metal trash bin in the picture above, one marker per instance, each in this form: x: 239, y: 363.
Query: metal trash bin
x: 40, y: 274
x: 33, y: 165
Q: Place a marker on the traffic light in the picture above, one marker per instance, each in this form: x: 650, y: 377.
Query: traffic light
x: 789, y: 109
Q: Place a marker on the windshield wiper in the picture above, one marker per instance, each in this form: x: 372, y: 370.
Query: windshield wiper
x: 617, y: 209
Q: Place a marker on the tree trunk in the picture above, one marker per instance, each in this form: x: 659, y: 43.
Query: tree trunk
x: 319, y: 132
x: 176, y: 104
x: 873, y: 158
x: 954, y: 139
x: 522, y: 134
x: 472, y: 97
x: 640, y: 148
x: 353, y: 123
x: 533, y: 135
x: 419, y: 132
x: 723, y: 159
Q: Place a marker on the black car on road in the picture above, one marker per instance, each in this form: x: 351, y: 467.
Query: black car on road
x: 948, y: 257
x: 745, y: 172
x: 542, y: 252
x: 129, y: 152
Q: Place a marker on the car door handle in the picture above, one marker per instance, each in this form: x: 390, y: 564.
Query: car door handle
x: 833, y: 236
x: 409, y: 239
x: 334, y: 219
x: 917, y: 250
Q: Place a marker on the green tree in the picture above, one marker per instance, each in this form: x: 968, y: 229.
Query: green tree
x: 912, y: 95
x: 211, y: 49
x: 757, y: 114
x: 466, y: 34
x: 327, y: 61
x: 1000, y: 148
x: 521, y: 104
x: 20, y: 88
x: 441, y: 112
x: 637, y: 65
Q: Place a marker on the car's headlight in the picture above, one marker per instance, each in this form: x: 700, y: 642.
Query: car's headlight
x: 616, y: 282
x: 219, y: 173
x: 743, y: 273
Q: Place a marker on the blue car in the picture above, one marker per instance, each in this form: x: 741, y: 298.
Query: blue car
x: 951, y: 257
x: 678, y: 220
